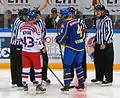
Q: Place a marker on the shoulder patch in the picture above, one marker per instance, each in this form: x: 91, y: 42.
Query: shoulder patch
x: 62, y: 25
x: 73, y: 23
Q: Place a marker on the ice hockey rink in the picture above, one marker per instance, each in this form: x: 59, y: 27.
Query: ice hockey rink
x: 53, y: 90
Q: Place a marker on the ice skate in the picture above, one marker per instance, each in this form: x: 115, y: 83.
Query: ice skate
x: 47, y: 81
x: 65, y: 88
x: 81, y: 86
x: 40, y: 89
x: 25, y: 86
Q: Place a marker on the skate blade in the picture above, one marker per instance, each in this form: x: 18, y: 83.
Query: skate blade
x: 97, y: 83
x: 34, y: 93
x: 13, y: 86
x: 46, y: 83
x: 26, y: 92
x: 65, y: 92
x: 71, y: 87
x: 20, y: 88
x: 40, y: 92
x: 35, y: 84
x: 106, y: 85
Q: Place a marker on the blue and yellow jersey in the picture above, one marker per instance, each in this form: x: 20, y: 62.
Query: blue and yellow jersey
x: 71, y: 34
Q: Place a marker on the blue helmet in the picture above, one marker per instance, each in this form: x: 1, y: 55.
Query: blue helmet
x: 65, y: 12
x: 31, y: 15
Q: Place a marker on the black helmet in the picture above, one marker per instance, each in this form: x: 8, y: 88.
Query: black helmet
x: 20, y: 12
x: 26, y: 9
x: 23, y: 12
x: 78, y: 14
x: 107, y: 12
x: 37, y: 11
x: 72, y: 9
x: 100, y: 7
x: 54, y: 10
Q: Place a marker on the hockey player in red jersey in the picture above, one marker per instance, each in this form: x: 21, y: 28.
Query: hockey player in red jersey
x: 30, y: 34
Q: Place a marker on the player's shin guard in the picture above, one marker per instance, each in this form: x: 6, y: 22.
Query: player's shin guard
x: 67, y: 79
x: 67, y: 76
x: 38, y: 75
x: 25, y: 73
x: 80, y: 75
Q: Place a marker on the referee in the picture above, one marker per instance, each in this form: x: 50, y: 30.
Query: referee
x: 16, y: 52
x: 104, y: 53
x: 84, y: 34
x: 42, y: 27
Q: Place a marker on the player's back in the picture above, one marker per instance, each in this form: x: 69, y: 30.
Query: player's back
x: 31, y: 37
x: 75, y: 39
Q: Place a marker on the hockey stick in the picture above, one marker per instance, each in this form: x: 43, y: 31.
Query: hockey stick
x: 56, y: 76
x: 53, y: 73
x: 59, y: 45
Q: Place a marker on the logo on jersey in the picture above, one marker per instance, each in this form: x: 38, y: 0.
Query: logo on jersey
x: 62, y: 25
x: 73, y: 23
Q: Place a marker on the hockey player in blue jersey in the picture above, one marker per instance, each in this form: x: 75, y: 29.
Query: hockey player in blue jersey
x: 71, y: 37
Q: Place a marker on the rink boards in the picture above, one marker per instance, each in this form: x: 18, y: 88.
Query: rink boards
x: 53, y: 49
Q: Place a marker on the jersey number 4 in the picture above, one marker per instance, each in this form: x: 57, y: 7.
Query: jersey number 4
x: 79, y: 31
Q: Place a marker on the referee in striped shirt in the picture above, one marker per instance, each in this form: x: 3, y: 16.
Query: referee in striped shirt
x: 16, y: 49
x: 104, y: 53
x: 41, y: 24
x: 84, y: 33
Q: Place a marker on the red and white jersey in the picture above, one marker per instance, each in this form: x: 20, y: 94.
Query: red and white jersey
x: 30, y: 34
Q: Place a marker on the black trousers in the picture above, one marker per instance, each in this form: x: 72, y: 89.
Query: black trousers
x: 16, y: 64
x: 103, y: 61
x: 44, y: 69
x: 84, y: 66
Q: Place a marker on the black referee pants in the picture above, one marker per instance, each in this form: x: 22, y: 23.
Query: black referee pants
x: 44, y: 69
x: 16, y: 64
x: 103, y: 61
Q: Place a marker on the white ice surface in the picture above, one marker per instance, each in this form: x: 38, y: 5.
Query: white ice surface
x: 53, y: 90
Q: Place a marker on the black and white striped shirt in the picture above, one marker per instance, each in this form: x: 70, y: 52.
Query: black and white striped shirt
x: 83, y: 27
x: 42, y: 26
x: 15, y: 29
x: 104, y: 33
